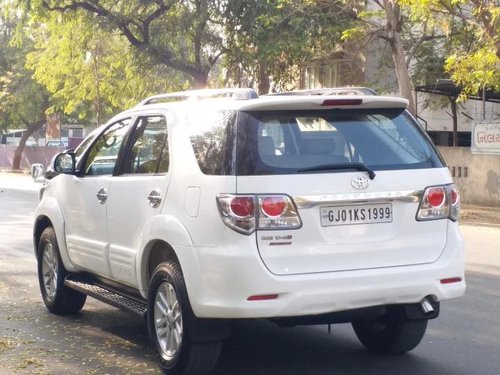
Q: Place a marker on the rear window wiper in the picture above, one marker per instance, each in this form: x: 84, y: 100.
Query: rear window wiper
x: 326, y: 167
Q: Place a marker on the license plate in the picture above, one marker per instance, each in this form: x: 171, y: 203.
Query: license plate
x: 356, y: 214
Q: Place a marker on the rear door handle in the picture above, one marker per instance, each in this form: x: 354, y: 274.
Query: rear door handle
x: 154, y: 198
x: 102, y: 195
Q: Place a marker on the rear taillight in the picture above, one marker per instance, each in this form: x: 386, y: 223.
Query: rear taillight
x: 237, y: 212
x: 273, y: 206
x: 436, y: 197
x: 440, y: 202
x: 277, y: 212
x: 246, y: 213
x: 242, y: 206
x: 455, y: 203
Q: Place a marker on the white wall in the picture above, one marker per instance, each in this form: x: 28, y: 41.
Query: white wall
x: 477, y: 176
x: 439, y: 119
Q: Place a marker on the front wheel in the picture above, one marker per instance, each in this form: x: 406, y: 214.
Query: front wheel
x: 393, y: 333
x: 170, y: 319
x: 58, y: 298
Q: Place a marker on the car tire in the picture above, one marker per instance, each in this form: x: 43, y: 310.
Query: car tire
x: 58, y: 298
x: 393, y: 333
x: 170, y: 321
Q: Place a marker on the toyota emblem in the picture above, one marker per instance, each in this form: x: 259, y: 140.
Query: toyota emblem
x: 359, y: 183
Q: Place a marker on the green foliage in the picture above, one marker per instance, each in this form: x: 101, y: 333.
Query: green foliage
x: 180, y: 34
x: 100, y: 56
x: 353, y: 33
x: 23, y: 101
x: 273, y: 38
x: 90, y: 71
x: 473, y: 61
x: 475, y: 71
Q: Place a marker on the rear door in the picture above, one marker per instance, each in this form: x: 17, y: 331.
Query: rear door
x: 323, y: 160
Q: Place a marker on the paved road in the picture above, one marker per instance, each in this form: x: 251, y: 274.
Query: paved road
x: 103, y: 340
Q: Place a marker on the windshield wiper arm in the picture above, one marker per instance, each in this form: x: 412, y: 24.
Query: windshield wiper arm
x: 326, y: 167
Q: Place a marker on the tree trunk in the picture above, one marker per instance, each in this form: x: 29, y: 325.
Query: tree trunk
x: 402, y: 74
x: 16, y: 163
x: 453, y: 103
x: 393, y: 14
x: 200, y: 77
x: 264, y: 81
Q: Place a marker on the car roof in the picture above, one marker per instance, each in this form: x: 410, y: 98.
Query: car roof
x: 248, y: 100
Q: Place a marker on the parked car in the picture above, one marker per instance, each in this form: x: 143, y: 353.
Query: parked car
x: 30, y: 142
x: 55, y: 143
x: 196, y: 209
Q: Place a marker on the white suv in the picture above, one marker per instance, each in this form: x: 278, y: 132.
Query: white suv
x: 198, y: 208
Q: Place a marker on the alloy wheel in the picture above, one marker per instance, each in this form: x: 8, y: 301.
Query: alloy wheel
x: 168, y: 321
x: 49, y: 270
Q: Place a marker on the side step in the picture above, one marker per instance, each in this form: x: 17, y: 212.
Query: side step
x: 123, y: 302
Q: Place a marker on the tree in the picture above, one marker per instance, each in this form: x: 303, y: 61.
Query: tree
x: 388, y: 20
x: 270, y: 40
x: 180, y: 34
x: 262, y: 38
x: 474, y: 62
x: 91, y: 72
x: 22, y: 100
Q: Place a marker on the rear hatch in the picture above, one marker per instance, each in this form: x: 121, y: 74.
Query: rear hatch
x: 356, y: 172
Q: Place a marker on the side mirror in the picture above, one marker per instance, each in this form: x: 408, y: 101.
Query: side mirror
x: 64, y: 163
x: 38, y: 172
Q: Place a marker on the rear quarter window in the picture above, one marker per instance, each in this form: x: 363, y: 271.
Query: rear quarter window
x: 212, y: 135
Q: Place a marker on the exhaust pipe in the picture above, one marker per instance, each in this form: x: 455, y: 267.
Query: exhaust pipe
x: 426, y: 306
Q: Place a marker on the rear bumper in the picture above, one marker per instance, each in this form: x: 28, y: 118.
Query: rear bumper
x: 222, y: 279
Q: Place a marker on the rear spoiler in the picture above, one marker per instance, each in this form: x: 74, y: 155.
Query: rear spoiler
x: 296, y: 102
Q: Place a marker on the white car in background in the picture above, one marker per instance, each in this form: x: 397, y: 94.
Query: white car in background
x: 55, y: 143
x: 198, y: 208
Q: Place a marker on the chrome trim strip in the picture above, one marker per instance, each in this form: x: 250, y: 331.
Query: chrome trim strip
x: 308, y: 201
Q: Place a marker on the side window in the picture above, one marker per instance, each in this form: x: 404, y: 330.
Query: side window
x: 80, y: 149
x: 149, y: 150
x: 103, y: 155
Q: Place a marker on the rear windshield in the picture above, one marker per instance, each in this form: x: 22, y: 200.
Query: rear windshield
x: 287, y: 142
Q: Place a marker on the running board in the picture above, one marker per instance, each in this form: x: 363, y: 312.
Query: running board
x: 112, y: 298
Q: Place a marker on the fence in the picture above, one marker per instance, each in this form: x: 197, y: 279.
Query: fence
x: 31, y: 155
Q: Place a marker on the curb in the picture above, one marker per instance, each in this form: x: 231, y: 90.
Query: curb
x: 16, y: 171
x: 478, y: 224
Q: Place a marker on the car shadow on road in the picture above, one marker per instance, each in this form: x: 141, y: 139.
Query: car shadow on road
x: 259, y: 347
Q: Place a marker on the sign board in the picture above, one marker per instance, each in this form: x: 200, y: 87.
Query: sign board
x: 486, y: 138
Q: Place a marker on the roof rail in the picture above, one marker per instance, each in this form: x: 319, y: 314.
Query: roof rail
x: 236, y: 93
x: 330, y: 91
